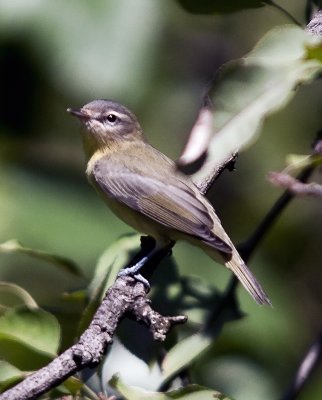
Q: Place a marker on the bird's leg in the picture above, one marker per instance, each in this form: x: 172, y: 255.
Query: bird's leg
x: 150, y: 250
x: 134, y: 269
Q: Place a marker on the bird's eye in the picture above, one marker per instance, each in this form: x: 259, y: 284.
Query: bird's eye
x: 111, y: 118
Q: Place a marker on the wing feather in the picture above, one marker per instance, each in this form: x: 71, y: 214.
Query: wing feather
x: 170, y: 202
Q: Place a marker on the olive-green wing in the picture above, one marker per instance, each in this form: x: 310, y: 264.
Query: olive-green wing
x: 166, y: 200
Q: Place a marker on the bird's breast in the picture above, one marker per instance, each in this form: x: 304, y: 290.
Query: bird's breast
x: 131, y: 217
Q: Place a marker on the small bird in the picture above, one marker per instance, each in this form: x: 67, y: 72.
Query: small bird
x: 143, y: 187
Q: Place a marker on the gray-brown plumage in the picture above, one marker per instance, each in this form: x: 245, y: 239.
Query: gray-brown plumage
x: 143, y: 187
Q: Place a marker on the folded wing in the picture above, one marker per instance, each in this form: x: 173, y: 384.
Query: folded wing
x: 169, y: 202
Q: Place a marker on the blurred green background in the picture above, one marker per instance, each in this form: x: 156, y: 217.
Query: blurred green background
x: 157, y: 59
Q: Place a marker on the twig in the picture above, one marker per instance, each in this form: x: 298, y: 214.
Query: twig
x: 246, y: 249
x: 127, y: 295
x: 298, y: 188
x: 208, y: 181
x: 293, y: 185
x: 306, y: 368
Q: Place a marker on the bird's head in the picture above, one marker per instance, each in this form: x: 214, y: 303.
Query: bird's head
x: 106, y: 124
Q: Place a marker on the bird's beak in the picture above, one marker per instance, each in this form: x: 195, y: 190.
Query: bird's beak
x: 78, y: 113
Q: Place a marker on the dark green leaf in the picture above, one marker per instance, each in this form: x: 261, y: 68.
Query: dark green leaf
x: 73, y: 385
x: 13, y: 246
x: 12, y: 295
x: 191, y: 392
x: 246, y: 91
x: 109, y: 264
x: 112, y: 260
x: 9, y: 375
x: 186, y: 351
x: 28, y: 337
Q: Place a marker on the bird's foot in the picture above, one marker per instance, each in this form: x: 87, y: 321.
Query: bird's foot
x: 133, y: 271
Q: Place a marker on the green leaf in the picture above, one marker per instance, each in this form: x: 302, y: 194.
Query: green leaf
x: 248, y: 90
x: 186, y: 351
x: 28, y: 337
x: 83, y: 49
x: 76, y: 296
x: 114, y: 258
x: 73, y: 385
x: 71, y: 388
x: 8, y: 375
x: 21, y: 355
x: 11, y: 294
x: 191, y: 392
x: 13, y: 246
x: 314, y: 52
x: 218, y: 6
x: 296, y: 162
x: 109, y: 264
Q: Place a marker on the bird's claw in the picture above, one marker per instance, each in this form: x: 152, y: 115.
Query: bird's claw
x: 133, y: 271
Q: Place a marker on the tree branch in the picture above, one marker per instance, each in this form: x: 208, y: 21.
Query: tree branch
x: 205, y: 184
x: 127, y: 295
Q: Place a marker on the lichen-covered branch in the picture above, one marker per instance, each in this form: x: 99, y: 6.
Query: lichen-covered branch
x: 126, y: 296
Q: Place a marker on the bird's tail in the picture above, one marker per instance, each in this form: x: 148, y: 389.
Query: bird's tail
x: 246, y: 278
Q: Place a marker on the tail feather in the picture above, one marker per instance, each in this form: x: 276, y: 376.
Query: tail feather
x: 247, y: 279
x: 231, y: 259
